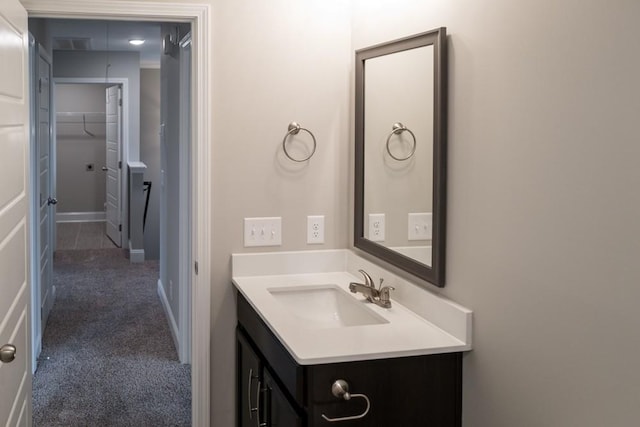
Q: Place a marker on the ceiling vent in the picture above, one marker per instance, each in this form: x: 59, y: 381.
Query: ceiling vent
x: 69, y: 43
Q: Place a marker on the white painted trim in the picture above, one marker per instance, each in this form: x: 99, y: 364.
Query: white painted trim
x: 201, y: 18
x: 100, y: 216
x: 136, y: 256
x: 126, y: 137
x: 173, y: 326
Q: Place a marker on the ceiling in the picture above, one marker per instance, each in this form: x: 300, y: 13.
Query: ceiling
x: 107, y: 36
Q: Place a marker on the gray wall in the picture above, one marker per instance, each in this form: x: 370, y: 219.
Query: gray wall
x: 77, y: 189
x: 94, y: 64
x: 150, y: 155
x: 543, y: 209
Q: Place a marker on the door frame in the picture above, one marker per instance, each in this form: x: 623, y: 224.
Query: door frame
x: 123, y: 82
x: 200, y: 17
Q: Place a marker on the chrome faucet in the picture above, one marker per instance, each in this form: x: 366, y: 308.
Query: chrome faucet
x: 377, y: 296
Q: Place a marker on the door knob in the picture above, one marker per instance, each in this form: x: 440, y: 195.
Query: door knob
x: 52, y: 201
x: 7, y: 353
x: 104, y: 168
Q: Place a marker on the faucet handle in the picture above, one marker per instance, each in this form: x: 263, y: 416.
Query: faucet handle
x: 385, y: 298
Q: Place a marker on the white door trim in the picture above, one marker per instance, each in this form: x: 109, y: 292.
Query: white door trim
x: 124, y: 149
x: 200, y: 17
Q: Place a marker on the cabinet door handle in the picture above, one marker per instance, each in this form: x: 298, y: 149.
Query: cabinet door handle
x: 258, y: 391
x: 257, y: 408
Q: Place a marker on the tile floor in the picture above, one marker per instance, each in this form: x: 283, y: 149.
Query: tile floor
x: 82, y: 235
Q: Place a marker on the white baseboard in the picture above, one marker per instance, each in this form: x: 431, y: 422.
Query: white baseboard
x: 173, y: 326
x: 136, y: 255
x: 81, y: 216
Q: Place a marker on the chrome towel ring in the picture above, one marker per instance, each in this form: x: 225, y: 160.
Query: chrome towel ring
x: 398, y: 128
x: 293, y: 129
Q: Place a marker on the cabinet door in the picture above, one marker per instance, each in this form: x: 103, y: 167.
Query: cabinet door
x: 279, y: 412
x: 422, y: 391
x: 249, y: 372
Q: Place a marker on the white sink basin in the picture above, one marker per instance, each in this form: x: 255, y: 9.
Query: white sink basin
x: 324, y: 306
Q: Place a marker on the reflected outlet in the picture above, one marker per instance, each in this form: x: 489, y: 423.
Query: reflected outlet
x: 376, y: 227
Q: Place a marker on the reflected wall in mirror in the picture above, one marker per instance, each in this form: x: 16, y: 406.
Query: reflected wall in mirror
x: 401, y: 153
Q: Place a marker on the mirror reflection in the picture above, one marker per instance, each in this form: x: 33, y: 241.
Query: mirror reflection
x: 398, y: 134
x: 400, y: 168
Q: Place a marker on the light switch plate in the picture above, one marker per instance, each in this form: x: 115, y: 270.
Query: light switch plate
x: 376, y: 227
x: 420, y: 226
x: 315, y: 229
x: 263, y: 231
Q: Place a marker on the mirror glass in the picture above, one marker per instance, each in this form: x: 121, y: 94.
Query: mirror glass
x: 400, y: 142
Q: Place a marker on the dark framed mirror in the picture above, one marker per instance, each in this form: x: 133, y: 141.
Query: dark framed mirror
x: 400, y: 153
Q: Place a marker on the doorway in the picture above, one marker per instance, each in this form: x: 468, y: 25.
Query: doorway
x: 96, y: 147
x: 198, y: 15
x: 82, y: 169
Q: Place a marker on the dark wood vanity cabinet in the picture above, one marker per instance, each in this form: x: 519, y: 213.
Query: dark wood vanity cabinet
x: 275, y: 391
x: 261, y: 402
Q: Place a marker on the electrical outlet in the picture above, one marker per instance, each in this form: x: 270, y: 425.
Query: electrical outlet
x: 376, y: 227
x: 263, y: 231
x: 315, y: 229
x: 420, y: 226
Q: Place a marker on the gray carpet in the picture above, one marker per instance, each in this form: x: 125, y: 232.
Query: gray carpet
x: 108, y: 358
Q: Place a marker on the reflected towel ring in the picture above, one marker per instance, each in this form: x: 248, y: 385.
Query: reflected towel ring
x: 398, y: 128
x: 294, y: 129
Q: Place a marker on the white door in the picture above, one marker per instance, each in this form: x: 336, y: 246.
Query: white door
x: 114, y: 165
x: 15, y: 375
x: 46, y: 200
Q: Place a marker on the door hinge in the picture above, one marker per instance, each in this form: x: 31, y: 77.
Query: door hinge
x: 120, y: 102
x: 120, y: 164
x: 196, y: 267
x: 120, y: 227
x: 40, y: 85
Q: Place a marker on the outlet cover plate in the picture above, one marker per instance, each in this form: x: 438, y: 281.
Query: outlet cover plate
x: 315, y: 229
x: 376, y: 227
x: 263, y: 231
x: 420, y: 226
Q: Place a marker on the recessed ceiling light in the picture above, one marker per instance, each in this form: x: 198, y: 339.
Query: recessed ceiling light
x: 136, y: 42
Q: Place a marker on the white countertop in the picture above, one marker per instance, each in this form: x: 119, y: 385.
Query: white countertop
x: 405, y: 334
